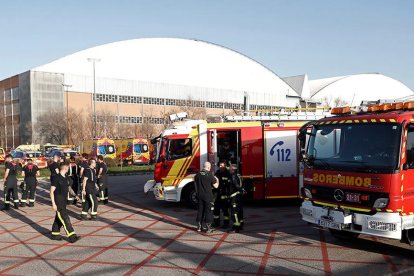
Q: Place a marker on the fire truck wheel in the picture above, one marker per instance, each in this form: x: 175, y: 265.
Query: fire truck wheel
x: 189, y: 196
x: 343, y: 235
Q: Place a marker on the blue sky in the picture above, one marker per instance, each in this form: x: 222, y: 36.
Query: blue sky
x: 321, y: 38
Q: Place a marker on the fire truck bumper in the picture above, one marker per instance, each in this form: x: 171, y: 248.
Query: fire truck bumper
x: 386, y: 225
x: 149, y: 186
x: 167, y: 193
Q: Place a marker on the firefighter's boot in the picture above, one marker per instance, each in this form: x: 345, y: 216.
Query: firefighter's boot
x: 199, y: 227
x: 31, y: 204
x: 83, y: 217
x: 74, y: 238
x: 235, y: 229
x: 209, y: 229
x: 16, y: 205
x: 56, y: 237
x: 22, y: 204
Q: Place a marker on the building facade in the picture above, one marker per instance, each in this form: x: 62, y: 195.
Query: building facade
x: 130, y: 87
x: 136, y: 83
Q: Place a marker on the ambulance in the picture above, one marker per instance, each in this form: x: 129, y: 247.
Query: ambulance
x: 264, y: 149
x: 132, y: 151
x: 2, y: 155
x: 359, y: 172
x: 99, y: 146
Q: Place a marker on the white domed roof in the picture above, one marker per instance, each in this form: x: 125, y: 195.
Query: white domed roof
x: 173, y: 61
x: 354, y: 89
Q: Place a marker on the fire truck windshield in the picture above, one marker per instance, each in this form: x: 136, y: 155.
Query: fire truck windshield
x: 140, y: 148
x: 372, y: 148
x: 106, y: 149
x: 178, y: 148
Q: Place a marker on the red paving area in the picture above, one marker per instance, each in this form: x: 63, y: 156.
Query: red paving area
x: 136, y: 235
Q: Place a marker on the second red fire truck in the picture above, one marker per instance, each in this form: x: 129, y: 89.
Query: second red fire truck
x: 266, y: 154
x: 359, y: 172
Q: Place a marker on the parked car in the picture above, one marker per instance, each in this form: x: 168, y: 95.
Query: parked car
x: 62, y: 152
x: 37, y: 157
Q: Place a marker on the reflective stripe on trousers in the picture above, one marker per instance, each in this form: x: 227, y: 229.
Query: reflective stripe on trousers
x: 64, y: 225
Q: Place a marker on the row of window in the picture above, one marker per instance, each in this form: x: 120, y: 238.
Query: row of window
x: 162, y: 101
x: 154, y: 120
x: 261, y: 107
x: 130, y: 99
x: 130, y: 120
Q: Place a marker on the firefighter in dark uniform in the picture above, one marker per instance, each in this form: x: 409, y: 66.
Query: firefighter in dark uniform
x: 101, y: 171
x: 29, y: 172
x: 235, y: 195
x: 58, y: 194
x: 73, y: 177
x: 82, y: 164
x: 205, y: 181
x: 221, y: 202
x: 88, y: 192
x: 54, y: 167
x: 10, y: 183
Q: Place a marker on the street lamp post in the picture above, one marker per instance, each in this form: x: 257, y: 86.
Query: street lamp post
x: 94, y: 61
x: 66, y: 89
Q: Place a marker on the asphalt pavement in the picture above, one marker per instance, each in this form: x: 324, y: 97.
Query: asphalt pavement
x: 135, y: 234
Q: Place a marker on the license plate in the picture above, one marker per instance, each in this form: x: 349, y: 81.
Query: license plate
x: 353, y: 197
x: 330, y: 224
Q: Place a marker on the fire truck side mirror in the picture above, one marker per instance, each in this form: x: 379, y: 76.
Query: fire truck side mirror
x: 302, y: 139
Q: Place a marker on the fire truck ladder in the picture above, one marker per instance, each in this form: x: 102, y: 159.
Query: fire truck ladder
x: 283, y: 114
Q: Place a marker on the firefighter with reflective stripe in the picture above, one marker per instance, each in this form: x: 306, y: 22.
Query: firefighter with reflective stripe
x: 58, y: 193
x: 236, y: 199
x: 54, y: 167
x: 88, y: 192
x: 83, y: 164
x: 29, y: 172
x: 221, y: 203
x: 73, y: 179
x: 102, y: 177
x: 10, y: 183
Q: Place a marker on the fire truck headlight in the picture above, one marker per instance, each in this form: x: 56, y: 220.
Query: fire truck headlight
x: 307, y: 192
x: 381, y: 203
x: 306, y: 212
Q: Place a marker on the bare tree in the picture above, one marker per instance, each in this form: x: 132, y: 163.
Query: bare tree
x: 79, y: 126
x: 106, y: 123
x: 339, y: 102
x: 51, y: 127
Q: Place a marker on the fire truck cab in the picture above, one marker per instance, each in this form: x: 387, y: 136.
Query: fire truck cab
x: 359, y: 172
x: 265, y: 153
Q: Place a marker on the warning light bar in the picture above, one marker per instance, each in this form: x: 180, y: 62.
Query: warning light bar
x: 398, y: 106
x: 385, y: 107
x: 340, y: 110
x: 409, y: 105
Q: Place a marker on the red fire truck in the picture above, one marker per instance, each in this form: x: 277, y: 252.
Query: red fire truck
x: 359, y: 172
x: 266, y: 154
